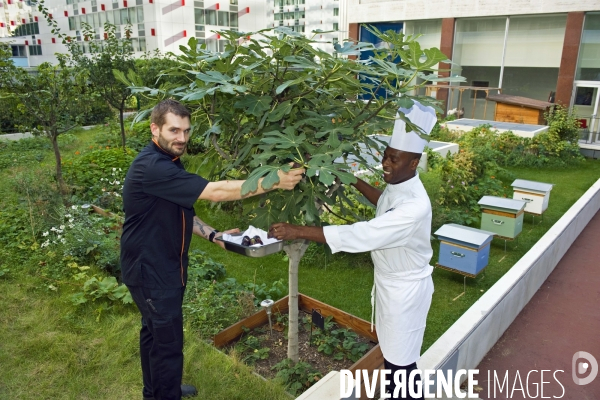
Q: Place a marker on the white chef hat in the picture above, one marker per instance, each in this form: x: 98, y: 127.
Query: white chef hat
x: 422, y: 116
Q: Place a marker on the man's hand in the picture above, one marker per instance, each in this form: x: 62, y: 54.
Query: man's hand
x: 219, y: 234
x: 288, y: 180
x: 284, y: 231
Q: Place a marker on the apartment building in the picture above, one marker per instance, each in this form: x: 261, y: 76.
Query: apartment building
x: 540, y: 49
x: 153, y: 24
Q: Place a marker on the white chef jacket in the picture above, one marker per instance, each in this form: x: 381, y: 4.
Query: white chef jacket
x: 399, y: 241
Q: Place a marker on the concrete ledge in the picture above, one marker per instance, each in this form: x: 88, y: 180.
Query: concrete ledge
x: 469, y: 339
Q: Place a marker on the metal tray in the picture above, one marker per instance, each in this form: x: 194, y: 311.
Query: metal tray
x: 249, y: 251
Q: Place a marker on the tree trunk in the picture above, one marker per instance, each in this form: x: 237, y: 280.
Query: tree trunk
x: 122, y: 123
x: 294, y: 251
x: 59, y: 177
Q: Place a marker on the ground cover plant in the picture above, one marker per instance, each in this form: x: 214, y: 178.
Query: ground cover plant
x: 54, y: 345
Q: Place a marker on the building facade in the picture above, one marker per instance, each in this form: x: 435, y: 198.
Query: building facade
x: 153, y: 24
x: 540, y: 49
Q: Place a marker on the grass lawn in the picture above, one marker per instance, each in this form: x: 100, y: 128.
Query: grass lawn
x: 52, y: 349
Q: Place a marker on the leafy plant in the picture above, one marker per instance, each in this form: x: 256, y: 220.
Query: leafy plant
x: 296, y: 376
x: 250, y: 348
x: 276, y: 99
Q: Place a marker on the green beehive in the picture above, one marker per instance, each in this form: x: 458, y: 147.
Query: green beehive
x: 502, y: 216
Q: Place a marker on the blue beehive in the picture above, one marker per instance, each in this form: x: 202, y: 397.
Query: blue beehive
x: 464, y: 249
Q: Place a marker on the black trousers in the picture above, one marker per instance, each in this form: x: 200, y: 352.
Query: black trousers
x: 392, y: 386
x: 161, y: 340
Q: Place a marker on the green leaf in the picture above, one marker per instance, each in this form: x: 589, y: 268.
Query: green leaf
x: 282, y: 141
x: 251, y: 184
x: 281, y: 110
x: 285, y: 85
x: 254, y: 105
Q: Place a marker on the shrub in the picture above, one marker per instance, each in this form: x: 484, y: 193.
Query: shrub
x: 98, y: 176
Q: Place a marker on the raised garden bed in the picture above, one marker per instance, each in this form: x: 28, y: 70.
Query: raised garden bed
x: 277, y: 342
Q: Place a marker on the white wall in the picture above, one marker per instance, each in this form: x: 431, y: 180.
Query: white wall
x: 405, y: 10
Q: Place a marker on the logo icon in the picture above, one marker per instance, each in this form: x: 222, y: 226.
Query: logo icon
x: 583, y: 367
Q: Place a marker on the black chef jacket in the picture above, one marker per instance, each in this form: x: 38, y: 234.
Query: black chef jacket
x: 158, y: 198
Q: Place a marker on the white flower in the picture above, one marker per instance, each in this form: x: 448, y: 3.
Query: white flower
x: 45, y: 233
x: 58, y: 236
x: 71, y: 220
x: 114, y: 169
x: 68, y: 215
x: 46, y: 243
x: 53, y: 229
x: 63, y: 240
x: 74, y: 207
x: 453, y: 111
x: 118, y: 182
x: 62, y: 227
x: 120, y: 169
x: 85, y: 206
x: 71, y: 225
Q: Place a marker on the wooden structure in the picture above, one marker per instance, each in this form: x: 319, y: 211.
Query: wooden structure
x: 521, y: 110
x: 502, y: 216
x: 370, y: 361
x: 536, y: 194
x: 463, y: 249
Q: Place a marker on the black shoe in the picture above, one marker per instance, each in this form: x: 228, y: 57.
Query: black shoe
x: 186, y: 391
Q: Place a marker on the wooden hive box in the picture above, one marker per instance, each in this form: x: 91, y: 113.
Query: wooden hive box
x: 536, y: 194
x: 521, y: 110
x: 463, y: 249
x: 502, y: 216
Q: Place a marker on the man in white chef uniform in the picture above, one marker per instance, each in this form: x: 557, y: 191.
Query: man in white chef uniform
x: 399, y: 241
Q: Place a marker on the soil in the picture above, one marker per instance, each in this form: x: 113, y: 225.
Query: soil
x: 276, y: 341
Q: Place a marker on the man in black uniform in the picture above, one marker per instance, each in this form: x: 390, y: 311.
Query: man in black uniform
x: 158, y: 198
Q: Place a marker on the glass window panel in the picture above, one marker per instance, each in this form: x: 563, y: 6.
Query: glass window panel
x: 133, y: 15
x: 535, y: 41
x: 36, y: 28
x: 102, y: 18
x: 125, y: 16
x: 96, y: 20
x: 109, y: 17
x: 588, y: 67
x: 140, y: 14
x: 199, y: 16
x: 478, y: 48
x: 233, y: 19
x: 533, y: 52
x: 117, y: 17
x: 211, y: 18
x: 430, y: 31
x: 223, y: 18
x: 142, y: 44
x: 336, y: 12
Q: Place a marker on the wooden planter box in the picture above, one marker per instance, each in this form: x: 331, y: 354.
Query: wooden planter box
x: 370, y: 361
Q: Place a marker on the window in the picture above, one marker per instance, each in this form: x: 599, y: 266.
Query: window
x: 18, y: 50
x: 140, y: 16
x: 223, y: 18
x: 141, y: 30
x: 199, y: 16
x: 588, y: 67
x: 233, y: 18
x: 35, y: 50
x: 336, y: 12
x: 211, y: 17
x: 335, y: 26
x: 27, y: 29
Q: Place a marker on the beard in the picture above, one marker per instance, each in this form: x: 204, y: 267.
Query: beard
x: 175, y: 148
